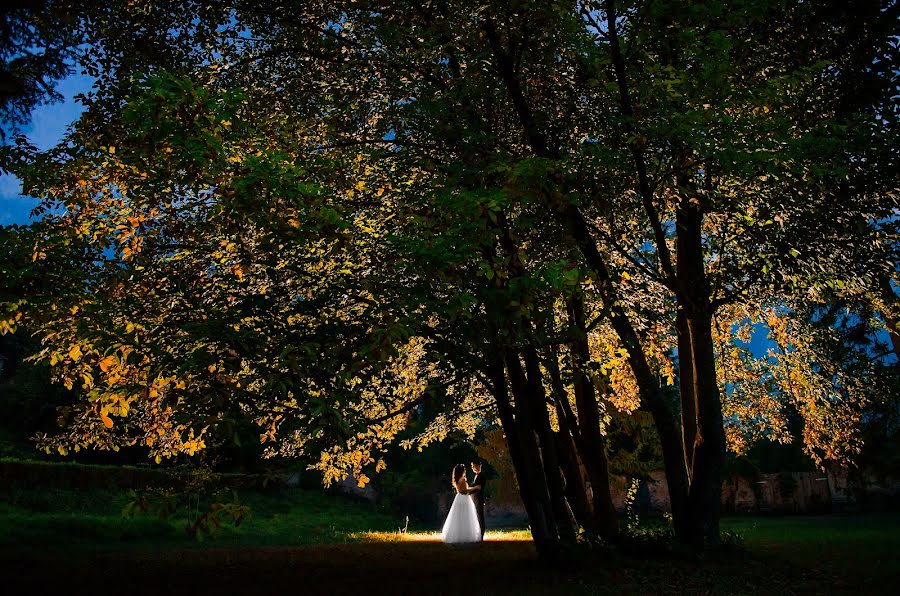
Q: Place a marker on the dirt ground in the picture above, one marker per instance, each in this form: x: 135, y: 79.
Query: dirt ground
x: 423, y: 567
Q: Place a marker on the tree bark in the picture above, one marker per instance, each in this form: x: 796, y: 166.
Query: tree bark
x: 699, y: 388
x: 575, y: 487
x: 709, y: 450
x: 530, y: 489
x: 649, y: 389
x: 523, y: 412
x: 595, y: 457
x: 548, y: 444
x: 687, y: 393
x: 568, y: 446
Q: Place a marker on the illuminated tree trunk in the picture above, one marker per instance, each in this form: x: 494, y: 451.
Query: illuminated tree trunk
x: 700, y: 399
x: 686, y: 390
x: 709, y: 448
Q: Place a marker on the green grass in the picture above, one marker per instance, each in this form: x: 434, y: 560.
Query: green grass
x: 40, y: 517
x: 55, y: 540
x: 851, y: 550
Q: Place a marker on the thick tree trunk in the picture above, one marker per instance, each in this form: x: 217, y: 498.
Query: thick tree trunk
x: 529, y: 480
x: 548, y: 444
x: 699, y: 388
x: 709, y: 450
x: 686, y: 390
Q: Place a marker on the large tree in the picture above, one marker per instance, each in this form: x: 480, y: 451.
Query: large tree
x: 280, y: 211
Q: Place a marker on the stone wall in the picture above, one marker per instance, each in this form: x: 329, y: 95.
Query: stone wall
x: 786, y: 493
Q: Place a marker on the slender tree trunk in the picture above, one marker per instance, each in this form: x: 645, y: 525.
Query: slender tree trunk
x: 524, y: 411
x: 649, y: 388
x: 595, y: 457
x: 568, y: 441
x: 575, y: 488
x: 524, y: 415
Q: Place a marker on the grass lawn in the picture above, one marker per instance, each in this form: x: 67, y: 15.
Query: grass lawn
x: 310, y: 543
x: 42, y: 517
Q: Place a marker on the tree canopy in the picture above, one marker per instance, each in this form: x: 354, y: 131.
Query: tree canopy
x: 540, y: 216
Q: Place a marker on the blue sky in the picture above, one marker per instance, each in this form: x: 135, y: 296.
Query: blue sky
x: 47, y: 127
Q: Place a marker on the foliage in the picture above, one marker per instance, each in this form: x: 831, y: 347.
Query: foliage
x: 317, y: 217
x: 37, y: 49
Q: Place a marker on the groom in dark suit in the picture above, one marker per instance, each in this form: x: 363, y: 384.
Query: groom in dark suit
x: 478, y: 495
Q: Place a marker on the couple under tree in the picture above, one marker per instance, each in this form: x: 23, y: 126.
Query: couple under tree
x: 465, y: 522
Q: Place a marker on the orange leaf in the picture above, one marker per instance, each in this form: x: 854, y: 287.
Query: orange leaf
x: 75, y: 353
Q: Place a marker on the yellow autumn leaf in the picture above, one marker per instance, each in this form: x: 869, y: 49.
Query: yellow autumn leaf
x: 75, y: 353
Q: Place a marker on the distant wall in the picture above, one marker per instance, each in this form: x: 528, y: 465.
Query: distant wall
x: 797, y: 492
x: 786, y: 493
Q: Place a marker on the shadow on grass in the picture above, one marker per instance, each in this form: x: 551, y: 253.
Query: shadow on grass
x: 315, y: 544
x: 506, y: 563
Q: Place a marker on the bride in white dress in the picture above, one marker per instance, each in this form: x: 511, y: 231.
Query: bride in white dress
x: 462, y: 521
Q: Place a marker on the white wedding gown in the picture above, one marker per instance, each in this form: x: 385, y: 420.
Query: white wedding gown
x: 462, y: 521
